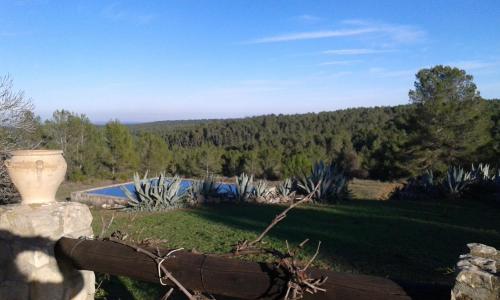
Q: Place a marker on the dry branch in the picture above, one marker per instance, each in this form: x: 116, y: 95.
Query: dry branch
x: 249, y: 246
x: 299, y: 281
x: 161, y: 268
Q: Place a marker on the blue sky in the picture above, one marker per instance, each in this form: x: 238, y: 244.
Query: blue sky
x: 159, y: 60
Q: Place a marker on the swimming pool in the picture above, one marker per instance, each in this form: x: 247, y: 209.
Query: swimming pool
x: 116, y: 191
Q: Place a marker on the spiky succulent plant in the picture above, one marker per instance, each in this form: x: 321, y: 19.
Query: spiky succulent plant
x: 496, y: 178
x: 207, y: 187
x: 262, y: 189
x: 285, y: 187
x: 457, y: 180
x: 482, y: 172
x: 156, y: 194
x: 329, y: 180
x: 244, y: 187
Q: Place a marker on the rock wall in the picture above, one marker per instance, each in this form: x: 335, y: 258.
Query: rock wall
x: 478, y: 276
x: 101, y: 201
x: 28, y: 267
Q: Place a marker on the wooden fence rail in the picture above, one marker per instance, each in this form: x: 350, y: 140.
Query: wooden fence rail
x: 217, y: 275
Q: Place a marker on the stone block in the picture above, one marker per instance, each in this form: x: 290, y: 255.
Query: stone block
x: 28, y: 267
x: 478, y: 274
x: 484, y: 251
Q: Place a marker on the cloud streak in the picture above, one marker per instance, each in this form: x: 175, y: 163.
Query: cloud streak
x: 384, y: 73
x: 356, y: 51
x: 475, y: 64
x: 392, y: 33
x: 312, y: 35
x: 308, y: 18
x: 114, y: 13
x: 339, y: 62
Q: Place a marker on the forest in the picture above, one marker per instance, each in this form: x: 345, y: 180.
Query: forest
x: 445, y: 123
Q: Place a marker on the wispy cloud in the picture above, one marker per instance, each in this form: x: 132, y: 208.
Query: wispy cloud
x: 394, y: 32
x: 11, y: 34
x: 115, y: 13
x: 358, y: 22
x: 391, y: 33
x: 308, y: 18
x: 403, y: 33
x: 474, y: 64
x: 356, y: 51
x: 7, y: 34
x: 382, y: 72
x: 312, y: 35
x: 339, y: 62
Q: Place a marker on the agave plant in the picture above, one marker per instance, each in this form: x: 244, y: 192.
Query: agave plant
x: 329, y: 180
x: 285, y: 188
x: 457, y: 180
x: 156, y: 195
x: 496, y: 179
x: 427, y: 180
x: 207, y: 187
x: 244, y: 187
x: 481, y: 173
x: 262, y: 189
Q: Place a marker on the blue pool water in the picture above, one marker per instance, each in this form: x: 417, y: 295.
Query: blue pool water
x: 116, y: 191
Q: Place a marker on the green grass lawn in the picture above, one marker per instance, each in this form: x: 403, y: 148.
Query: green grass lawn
x: 403, y: 240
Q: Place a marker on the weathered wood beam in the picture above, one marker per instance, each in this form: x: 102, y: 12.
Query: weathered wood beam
x: 217, y: 275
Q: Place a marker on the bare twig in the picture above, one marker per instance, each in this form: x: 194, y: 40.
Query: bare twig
x: 312, y: 258
x: 299, y: 282
x: 159, y: 261
x: 167, y: 295
x: 246, y: 245
x: 105, y: 227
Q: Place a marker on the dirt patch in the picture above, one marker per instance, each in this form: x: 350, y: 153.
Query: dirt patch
x: 372, y: 189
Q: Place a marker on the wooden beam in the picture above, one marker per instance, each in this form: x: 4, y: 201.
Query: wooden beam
x: 217, y: 275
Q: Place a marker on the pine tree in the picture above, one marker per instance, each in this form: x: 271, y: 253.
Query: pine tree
x: 448, y: 123
x: 154, y: 154
x: 123, y: 157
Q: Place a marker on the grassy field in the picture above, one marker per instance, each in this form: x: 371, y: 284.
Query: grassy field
x: 403, y: 240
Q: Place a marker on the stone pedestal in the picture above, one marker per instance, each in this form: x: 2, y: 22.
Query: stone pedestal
x: 478, y: 276
x: 28, y: 267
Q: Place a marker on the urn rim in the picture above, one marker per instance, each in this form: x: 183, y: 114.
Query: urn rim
x: 35, y: 152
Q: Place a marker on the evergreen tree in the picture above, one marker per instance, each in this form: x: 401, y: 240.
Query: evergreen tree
x: 448, y: 123
x: 154, y: 154
x: 211, y: 159
x: 82, y: 143
x: 123, y: 157
x: 297, y: 165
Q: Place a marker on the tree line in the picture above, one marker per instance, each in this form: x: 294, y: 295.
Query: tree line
x: 446, y: 123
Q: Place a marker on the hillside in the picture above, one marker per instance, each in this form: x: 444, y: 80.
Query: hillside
x: 364, y: 140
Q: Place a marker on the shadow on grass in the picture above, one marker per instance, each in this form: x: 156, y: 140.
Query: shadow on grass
x: 410, y: 242
x: 124, y: 288
x: 405, y: 241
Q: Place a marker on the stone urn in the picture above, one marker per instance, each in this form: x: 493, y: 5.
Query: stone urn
x: 37, y: 174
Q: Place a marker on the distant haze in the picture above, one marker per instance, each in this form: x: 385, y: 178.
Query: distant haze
x: 172, y: 60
